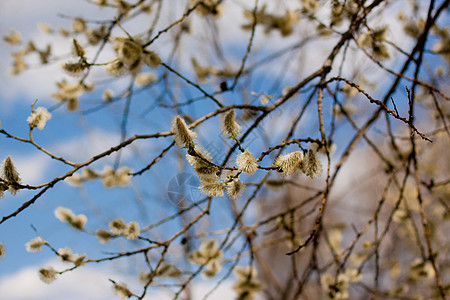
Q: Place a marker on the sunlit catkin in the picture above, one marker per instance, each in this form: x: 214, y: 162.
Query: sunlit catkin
x: 246, y: 162
x: 230, y: 128
x: 10, y: 175
x: 289, y: 163
x: 183, y: 136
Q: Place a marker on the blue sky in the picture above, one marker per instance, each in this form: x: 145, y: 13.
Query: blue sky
x: 79, y: 136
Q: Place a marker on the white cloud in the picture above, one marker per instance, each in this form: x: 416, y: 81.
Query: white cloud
x: 84, y: 283
x: 80, y: 148
x: 91, y: 283
x: 96, y: 141
x: 31, y: 167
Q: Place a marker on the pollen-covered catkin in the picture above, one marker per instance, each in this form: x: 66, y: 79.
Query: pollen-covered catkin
x: 230, y: 128
x: 289, y: 163
x: 10, y: 175
x: 47, y: 275
x: 311, y: 164
x: 39, y: 118
x: 246, y: 162
x: 183, y: 136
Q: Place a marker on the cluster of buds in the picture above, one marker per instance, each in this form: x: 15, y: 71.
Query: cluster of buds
x: 65, y: 215
x: 284, y: 23
x: 118, y: 227
x: 130, y: 57
x: 201, y: 160
x: 19, y: 64
x: 337, y: 287
x: 208, y: 7
x: 109, y: 176
x: 247, y: 284
x: 70, y: 93
x: 419, y: 270
x: 76, y: 69
x: 373, y: 40
x: 310, y: 6
x: 343, y: 10
x: 203, y: 72
x: 208, y: 255
x: 121, y: 290
x: 198, y: 158
x: 164, y: 270
x: 66, y: 254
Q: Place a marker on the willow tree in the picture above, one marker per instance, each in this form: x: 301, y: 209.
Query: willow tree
x: 296, y: 149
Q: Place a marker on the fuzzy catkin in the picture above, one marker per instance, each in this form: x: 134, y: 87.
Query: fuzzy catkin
x: 183, y: 136
x: 39, y: 118
x: 289, y: 163
x: 246, y: 162
x: 47, y: 275
x: 311, y: 165
x: 230, y: 128
x: 9, y: 172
